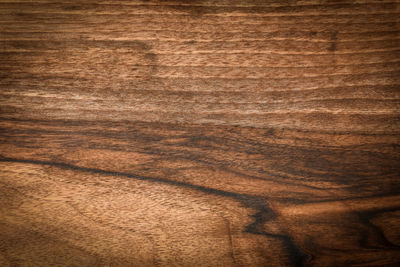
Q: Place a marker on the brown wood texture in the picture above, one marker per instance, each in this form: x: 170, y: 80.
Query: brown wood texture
x: 200, y: 133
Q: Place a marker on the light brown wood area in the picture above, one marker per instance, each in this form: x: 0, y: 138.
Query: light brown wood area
x: 200, y: 133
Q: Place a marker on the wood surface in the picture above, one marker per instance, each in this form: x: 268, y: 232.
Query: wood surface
x: 200, y: 133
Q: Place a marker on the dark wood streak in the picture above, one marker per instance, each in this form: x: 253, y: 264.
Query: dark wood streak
x: 263, y: 214
x: 42, y: 139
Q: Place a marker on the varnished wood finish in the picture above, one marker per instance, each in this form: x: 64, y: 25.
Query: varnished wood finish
x: 200, y: 133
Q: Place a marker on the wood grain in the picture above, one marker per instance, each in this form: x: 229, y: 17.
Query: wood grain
x: 200, y: 133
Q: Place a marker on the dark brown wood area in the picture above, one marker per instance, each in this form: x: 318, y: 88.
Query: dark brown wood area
x: 200, y: 133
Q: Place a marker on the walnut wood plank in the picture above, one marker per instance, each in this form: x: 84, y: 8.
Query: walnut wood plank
x: 200, y: 133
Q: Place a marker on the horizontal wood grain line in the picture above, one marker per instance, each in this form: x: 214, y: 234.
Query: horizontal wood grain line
x: 236, y: 75
x: 332, y: 121
x: 27, y: 15
x: 224, y: 13
x: 379, y: 91
x: 220, y: 110
x: 274, y: 52
x: 271, y: 48
x: 185, y: 40
x: 182, y: 27
x: 212, y: 3
x: 367, y: 32
x: 31, y: 57
x: 385, y: 202
x: 334, y: 106
x: 310, y: 34
x: 381, y: 79
x: 208, y: 100
x: 100, y: 21
x: 246, y: 40
x: 254, y: 52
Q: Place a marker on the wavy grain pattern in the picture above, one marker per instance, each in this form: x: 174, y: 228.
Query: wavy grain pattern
x: 199, y: 133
